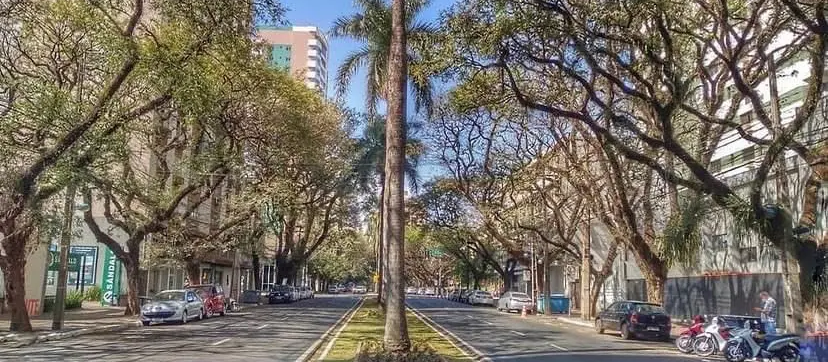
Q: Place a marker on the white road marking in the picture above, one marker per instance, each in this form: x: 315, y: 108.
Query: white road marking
x: 558, y: 347
x: 221, y: 341
x: 518, y: 333
x: 469, y: 316
x: 489, y: 323
x: 262, y: 326
x: 283, y: 318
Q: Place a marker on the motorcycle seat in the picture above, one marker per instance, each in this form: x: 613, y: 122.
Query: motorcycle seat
x: 773, y: 337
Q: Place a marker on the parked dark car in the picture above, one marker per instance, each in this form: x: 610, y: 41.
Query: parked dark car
x: 281, y: 294
x: 635, y: 320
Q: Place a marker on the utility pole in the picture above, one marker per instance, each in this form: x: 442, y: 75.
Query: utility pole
x: 790, y: 267
x: 65, y: 241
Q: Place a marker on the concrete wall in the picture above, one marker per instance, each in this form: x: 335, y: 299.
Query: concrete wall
x: 733, y: 294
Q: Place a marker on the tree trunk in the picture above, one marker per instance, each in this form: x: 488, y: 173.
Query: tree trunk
x: 655, y: 281
x: 257, y: 269
x: 396, y: 328
x: 193, y: 268
x: 381, y: 243
x: 131, y: 265
x: 595, y: 293
x: 14, y: 266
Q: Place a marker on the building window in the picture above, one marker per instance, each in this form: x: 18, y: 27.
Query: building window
x: 718, y: 242
x: 748, y: 154
x: 748, y: 254
x: 716, y: 165
x: 746, y: 118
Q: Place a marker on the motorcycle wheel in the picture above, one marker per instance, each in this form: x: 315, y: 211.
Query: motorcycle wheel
x: 735, y: 351
x: 684, y: 343
x: 789, y: 354
x: 704, y: 346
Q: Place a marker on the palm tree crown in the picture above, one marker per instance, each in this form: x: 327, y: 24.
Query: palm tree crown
x: 371, y: 161
x: 371, y: 25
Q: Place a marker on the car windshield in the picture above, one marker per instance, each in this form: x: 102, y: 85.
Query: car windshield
x: 649, y: 308
x: 519, y: 295
x: 167, y: 296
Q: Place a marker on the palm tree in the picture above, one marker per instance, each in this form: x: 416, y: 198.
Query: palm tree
x: 370, y: 166
x: 396, y: 329
x: 371, y: 25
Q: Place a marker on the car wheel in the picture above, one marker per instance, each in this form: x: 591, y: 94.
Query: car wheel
x: 223, y: 311
x: 184, y: 317
x: 599, y: 326
x: 625, y: 331
x: 145, y: 323
x: 664, y: 338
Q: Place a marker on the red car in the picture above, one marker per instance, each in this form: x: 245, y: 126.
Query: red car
x: 213, y: 297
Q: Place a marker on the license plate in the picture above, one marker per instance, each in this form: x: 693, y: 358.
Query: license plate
x: 652, y: 328
x: 157, y: 320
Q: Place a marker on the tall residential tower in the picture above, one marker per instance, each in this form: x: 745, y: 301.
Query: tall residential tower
x: 303, y: 50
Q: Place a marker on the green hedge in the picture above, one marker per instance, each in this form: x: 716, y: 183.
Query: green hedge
x: 94, y: 293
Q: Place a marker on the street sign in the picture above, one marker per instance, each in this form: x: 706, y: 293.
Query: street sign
x: 74, y: 261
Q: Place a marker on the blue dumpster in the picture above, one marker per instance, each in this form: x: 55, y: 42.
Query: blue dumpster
x: 559, y: 304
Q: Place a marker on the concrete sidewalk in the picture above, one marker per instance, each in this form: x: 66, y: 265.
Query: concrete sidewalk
x: 90, y: 318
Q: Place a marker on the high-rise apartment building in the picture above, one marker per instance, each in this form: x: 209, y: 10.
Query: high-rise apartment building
x: 303, y: 50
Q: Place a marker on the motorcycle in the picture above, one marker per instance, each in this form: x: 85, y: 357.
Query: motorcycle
x: 684, y: 342
x: 750, y: 343
x: 713, y: 338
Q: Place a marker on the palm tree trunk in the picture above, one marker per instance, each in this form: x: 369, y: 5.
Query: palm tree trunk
x: 381, y: 245
x: 396, y: 328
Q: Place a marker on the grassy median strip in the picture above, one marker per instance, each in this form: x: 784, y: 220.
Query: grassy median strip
x: 367, y: 328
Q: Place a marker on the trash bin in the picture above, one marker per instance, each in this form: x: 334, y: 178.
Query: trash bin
x: 559, y: 304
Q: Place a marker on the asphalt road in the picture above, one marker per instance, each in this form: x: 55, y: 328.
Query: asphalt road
x: 508, y: 337
x: 265, y: 333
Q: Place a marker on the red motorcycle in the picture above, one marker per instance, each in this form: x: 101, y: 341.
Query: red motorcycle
x: 684, y: 342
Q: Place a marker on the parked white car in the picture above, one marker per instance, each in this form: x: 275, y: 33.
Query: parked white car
x: 172, y: 306
x: 480, y: 297
x: 510, y: 301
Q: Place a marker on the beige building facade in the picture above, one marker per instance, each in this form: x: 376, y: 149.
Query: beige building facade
x: 303, y: 50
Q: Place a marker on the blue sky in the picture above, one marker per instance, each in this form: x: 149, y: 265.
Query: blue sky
x: 322, y: 14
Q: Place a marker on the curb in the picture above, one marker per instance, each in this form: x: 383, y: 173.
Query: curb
x: 339, y: 330
x: 311, y: 351
x: 574, y: 322
x: 29, y: 339
x: 466, y: 348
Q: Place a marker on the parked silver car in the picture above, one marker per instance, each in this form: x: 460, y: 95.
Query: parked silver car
x: 172, y: 306
x: 480, y: 297
x: 510, y: 301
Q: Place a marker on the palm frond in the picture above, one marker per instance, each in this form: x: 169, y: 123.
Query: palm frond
x: 352, y: 26
x: 423, y: 96
x: 350, y: 65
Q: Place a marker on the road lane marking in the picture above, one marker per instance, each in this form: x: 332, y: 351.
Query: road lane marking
x: 339, y: 331
x: 489, y: 323
x: 262, y: 327
x: 443, y: 331
x: 221, y: 341
x: 472, y: 317
x: 283, y: 318
x: 518, y: 333
x: 315, y: 346
x: 558, y: 347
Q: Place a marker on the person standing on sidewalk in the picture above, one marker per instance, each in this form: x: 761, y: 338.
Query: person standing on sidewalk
x: 768, y: 311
